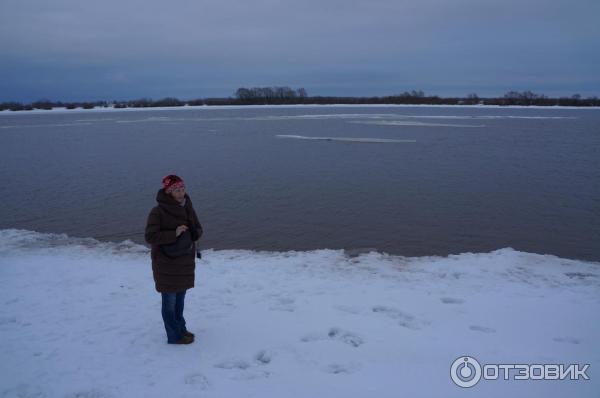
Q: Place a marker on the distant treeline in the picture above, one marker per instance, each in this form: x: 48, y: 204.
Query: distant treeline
x: 288, y: 96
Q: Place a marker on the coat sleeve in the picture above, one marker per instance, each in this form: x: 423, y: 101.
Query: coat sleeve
x: 153, y: 233
x: 197, y: 223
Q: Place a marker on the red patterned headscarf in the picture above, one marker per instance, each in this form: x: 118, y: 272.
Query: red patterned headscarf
x: 171, y: 182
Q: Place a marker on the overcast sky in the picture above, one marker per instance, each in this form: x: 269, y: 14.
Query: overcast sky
x: 74, y: 50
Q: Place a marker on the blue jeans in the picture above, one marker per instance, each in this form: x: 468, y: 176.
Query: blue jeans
x: 172, y: 313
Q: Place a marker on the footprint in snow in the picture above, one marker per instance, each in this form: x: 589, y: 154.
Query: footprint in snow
x: 197, y: 379
x: 283, y: 304
x: 348, y: 309
x: 93, y: 393
x: 483, y: 329
x: 243, y: 370
x: 263, y: 357
x: 8, y: 319
x: 451, y: 300
x: 338, y: 334
x: 251, y: 375
x: 345, y: 337
x: 567, y: 339
x: 337, y: 368
x: 234, y: 363
x: 404, y: 319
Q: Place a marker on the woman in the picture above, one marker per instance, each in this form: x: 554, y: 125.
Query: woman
x: 173, y: 224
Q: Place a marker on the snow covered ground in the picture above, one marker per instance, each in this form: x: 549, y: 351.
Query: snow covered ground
x: 81, y: 318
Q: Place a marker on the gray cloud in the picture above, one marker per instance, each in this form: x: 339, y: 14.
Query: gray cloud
x: 85, y: 50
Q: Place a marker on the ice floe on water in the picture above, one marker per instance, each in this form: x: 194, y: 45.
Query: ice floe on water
x: 413, y: 123
x: 345, y: 139
x: 204, y: 115
x: 17, y: 126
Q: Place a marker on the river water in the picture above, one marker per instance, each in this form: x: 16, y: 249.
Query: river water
x: 405, y: 180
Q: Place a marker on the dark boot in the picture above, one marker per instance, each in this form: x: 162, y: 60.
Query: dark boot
x: 185, y: 340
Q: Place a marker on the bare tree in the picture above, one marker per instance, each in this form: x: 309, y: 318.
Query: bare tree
x: 301, y: 92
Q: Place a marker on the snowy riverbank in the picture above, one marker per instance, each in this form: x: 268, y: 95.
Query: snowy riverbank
x: 81, y: 318
x: 324, y: 106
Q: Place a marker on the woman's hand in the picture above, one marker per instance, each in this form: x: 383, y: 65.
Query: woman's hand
x: 180, y: 229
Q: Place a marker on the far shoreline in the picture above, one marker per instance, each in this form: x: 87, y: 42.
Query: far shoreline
x: 63, y: 110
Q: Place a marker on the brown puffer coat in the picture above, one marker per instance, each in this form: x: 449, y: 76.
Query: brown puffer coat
x: 171, y: 274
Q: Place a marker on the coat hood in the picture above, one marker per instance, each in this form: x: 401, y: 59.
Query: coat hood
x: 171, y: 206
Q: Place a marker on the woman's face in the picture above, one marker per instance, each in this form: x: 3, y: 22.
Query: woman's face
x: 178, y: 194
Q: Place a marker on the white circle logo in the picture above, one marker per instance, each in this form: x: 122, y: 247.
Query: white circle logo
x: 465, y: 371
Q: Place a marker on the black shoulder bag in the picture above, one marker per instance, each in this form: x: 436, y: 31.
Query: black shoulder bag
x: 183, y: 246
